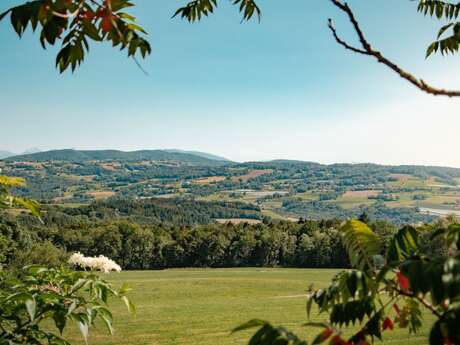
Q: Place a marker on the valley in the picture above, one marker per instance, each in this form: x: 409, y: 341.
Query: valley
x: 279, y: 189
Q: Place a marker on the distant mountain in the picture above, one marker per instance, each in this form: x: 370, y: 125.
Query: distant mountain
x: 80, y: 156
x: 201, y: 154
x: 5, y: 154
x: 30, y: 151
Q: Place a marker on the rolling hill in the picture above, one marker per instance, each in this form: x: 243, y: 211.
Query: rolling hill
x: 82, y: 156
x: 285, y: 189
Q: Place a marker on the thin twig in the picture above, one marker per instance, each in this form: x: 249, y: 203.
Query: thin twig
x: 368, y: 50
x: 426, y: 304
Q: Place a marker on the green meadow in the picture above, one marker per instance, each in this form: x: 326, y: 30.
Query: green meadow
x: 201, y: 306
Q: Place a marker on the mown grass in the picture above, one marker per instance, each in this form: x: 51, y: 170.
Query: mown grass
x: 201, y: 306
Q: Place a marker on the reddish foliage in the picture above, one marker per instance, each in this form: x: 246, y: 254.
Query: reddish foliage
x: 402, y: 281
x: 387, y: 324
x: 106, y: 24
x: 326, y: 334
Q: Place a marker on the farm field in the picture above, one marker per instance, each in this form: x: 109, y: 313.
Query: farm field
x: 201, y: 306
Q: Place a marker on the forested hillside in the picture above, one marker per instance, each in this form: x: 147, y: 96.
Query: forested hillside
x: 281, y: 189
x: 131, y: 234
x: 81, y: 156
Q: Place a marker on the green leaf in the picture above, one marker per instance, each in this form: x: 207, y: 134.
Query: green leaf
x: 32, y: 206
x: 60, y: 320
x: 444, y: 28
x: 361, y: 243
x: 250, y: 324
x: 131, y: 307
x: 432, y: 48
x: 84, y: 330
x: 403, y: 244
x: 31, y: 307
x: 4, y: 14
x: 12, y: 181
x: 125, y: 288
x: 270, y: 335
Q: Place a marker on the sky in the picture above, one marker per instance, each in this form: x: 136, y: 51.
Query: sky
x: 281, y: 88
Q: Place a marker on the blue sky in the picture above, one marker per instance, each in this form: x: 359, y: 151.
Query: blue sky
x: 281, y: 88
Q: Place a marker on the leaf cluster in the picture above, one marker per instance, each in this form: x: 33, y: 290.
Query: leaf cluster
x: 59, y: 296
x: 74, y: 23
x: 195, y: 10
x: 443, y: 10
x: 7, y: 200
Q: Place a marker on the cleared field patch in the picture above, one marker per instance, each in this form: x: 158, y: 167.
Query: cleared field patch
x: 110, y: 166
x: 352, y: 199
x: 78, y: 178
x: 201, y: 306
x: 272, y: 214
x: 413, y: 182
x: 405, y: 200
x: 402, y: 177
x: 308, y: 196
x: 60, y: 199
x: 238, y: 221
x: 252, y: 174
x: 220, y: 196
x: 252, y: 196
x: 361, y: 193
x: 209, y: 180
x: 444, y: 199
x: 98, y: 195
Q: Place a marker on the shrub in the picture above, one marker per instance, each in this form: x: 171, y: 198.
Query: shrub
x: 58, y: 296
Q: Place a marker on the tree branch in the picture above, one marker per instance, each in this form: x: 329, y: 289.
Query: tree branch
x: 422, y: 300
x: 369, y: 51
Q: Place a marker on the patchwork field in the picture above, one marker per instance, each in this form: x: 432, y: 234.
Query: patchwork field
x: 101, y: 194
x: 209, y: 180
x: 281, y: 189
x: 352, y: 199
x: 201, y: 306
x: 252, y: 174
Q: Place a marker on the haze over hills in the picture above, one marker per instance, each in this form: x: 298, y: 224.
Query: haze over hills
x: 5, y: 154
x: 201, y: 154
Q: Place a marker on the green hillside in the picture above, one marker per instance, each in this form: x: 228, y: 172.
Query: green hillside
x: 281, y: 189
x: 81, y: 156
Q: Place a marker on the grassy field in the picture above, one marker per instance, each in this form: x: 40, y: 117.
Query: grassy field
x: 195, y: 306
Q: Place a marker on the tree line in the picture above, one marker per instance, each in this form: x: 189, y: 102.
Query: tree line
x: 307, y: 243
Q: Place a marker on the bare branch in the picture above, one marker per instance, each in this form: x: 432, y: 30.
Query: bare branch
x: 342, y: 42
x: 368, y: 50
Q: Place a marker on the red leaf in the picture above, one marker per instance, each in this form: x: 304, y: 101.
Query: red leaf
x: 338, y: 341
x: 106, y: 24
x: 402, y: 281
x: 387, y: 324
x: 326, y: 334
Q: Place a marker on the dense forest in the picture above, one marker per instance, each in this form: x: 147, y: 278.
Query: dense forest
x: 151, y: 236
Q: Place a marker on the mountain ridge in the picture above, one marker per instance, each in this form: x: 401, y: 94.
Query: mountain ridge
x: 72, y: 155
x: 185, y: 156
x: 201, y: 154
